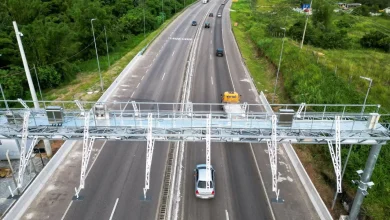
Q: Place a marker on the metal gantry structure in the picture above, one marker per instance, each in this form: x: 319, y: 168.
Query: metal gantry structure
x: 333, y: 125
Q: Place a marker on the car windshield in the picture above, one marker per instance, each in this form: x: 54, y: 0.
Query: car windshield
x: 202, y: 184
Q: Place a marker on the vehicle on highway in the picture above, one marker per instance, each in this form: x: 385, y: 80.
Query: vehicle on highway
x: 219, y: 52
x: 201, y: 190
x: 219, y: 15
x: 223, y: 3
x: 207, y: 24
x: 211, y: 15
x: 194, y: 23
x: 231, y: 104
x: 205, y: 1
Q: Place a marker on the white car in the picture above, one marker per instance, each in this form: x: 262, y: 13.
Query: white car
x: 219, y: 15
x: 200, y: 182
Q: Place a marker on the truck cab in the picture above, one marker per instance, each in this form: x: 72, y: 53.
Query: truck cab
x: 230, y: 97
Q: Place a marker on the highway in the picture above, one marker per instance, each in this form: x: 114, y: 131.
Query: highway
x: 115, y: 178
x: 239, y: 192
x: 124, y: 162
x: 115, y: 182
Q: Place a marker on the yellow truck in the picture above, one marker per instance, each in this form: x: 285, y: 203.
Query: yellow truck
x: 231, y: 103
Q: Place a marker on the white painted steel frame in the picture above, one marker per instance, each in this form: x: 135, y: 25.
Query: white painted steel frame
x: 298, y: 114
x: 273, y: 155
x: 149, y: 153
x: 87, y: 149
x: 336, y: 155
x: 208, y: 152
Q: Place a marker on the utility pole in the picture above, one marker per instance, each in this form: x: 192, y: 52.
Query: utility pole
x: 307, y: 18
x: 97, y: 57
x: 25, y: 64
x: 39, y: 86
x: 108, y: 55
x: 280, y: 61
x: 368, y: 90
x: 364, y: 183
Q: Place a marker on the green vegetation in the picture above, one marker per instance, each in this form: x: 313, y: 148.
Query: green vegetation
x: 324, y: 71
x: 58, y: 41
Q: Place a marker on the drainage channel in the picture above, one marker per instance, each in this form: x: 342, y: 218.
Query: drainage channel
x: 162, y: 214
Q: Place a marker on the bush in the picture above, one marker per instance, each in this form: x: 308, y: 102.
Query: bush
x: 296, y: 32
x: 343, y: 24
x: 333, y: 40
x: 376, y: 39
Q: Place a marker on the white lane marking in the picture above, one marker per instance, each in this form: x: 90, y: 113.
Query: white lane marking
x: 211, y: 41
x: 71, y: 202
x: 210, y: 56
x: 212, y: 83
x: 163, y: 77
x: 104, y: 144
x: 113, y: 210
x: 262, y: 182
x: 137, y: 86
x: 67, y: 209
x: 142, y: 77
x: 173, y: 53
x: 227, y: 214
x: 132, y: 95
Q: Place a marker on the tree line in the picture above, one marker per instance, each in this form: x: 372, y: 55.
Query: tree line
x: 57, y: 35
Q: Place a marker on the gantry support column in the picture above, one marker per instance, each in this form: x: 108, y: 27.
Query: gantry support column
x: 362, y: 189
x: 48, y: 149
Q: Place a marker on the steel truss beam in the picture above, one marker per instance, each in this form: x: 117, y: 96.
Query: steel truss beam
x: 208, y: 151
x: 149, y: 153
x: 336, y: 155
x: 273, y: 155
x: 87, y: 149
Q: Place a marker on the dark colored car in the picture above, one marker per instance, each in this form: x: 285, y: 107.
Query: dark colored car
x: 219, y: 52
x: 207, y: 24
x: 194, y: 23
x: 211, y: 15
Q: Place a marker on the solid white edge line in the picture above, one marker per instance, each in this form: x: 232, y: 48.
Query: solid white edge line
x: 113, y: 210
x: 66, y: 211
x: 97, y: 156
x: 86, y: 175
x: 137, y: 86
x: 227, y: 214
x: 262, y: 182
x: 212, y: 83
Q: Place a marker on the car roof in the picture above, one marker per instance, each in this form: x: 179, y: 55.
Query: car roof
x: 219, y: 49
x: 202, y: 175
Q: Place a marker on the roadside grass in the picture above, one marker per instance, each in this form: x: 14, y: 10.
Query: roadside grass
x: 334, y: 77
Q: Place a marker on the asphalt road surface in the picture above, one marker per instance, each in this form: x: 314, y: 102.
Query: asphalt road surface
x: 239, y: 192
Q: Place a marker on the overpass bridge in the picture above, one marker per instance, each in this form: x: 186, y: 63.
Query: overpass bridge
x: 329, y: 124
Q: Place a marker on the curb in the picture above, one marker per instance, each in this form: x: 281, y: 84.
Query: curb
x: 21, y: 205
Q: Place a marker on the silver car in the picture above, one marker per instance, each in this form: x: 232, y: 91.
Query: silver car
x: 200, y: 182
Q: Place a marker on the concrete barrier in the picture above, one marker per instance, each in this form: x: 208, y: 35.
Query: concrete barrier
x: 35, y: 187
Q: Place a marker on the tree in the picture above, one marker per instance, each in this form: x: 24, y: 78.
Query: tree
x: 322, y: 14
